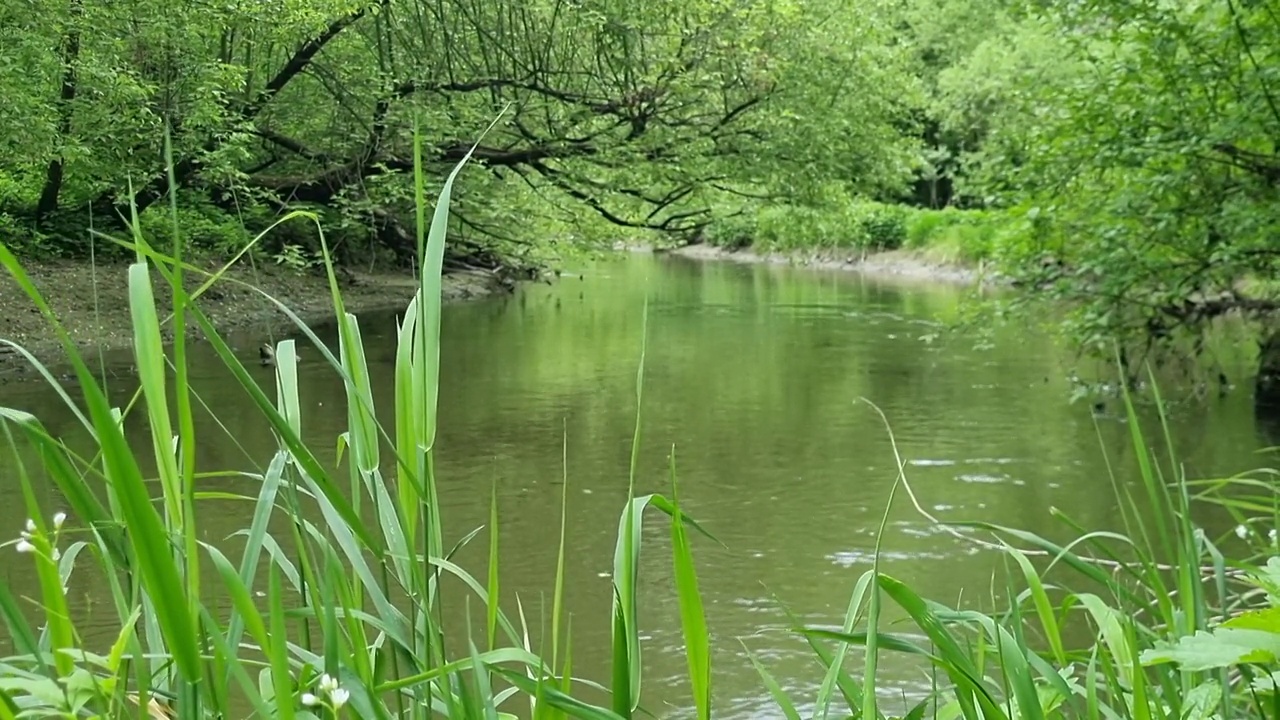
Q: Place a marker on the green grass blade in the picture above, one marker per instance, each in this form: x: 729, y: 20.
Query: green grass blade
x: 568, y: 705
x: 693, y: 621
x: 626, y: 663
x: 965, y: 675
x: 779, y: 695
x: 491, y: 608
x: 1044, y: 609
x: 835, y: 666
x: 557, y: 598
x: 281, y: 675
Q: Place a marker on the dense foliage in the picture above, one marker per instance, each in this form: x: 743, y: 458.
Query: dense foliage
x: 1137, y: 142
x: 1128, y: 147
x: 637, y: 114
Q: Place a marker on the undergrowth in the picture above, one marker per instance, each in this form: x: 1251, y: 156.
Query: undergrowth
x: 340, y: 613
x: 844, y: 225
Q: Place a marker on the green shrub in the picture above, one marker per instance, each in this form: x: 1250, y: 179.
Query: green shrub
x: 959, y: 235
x: 883, y: 227
x: 22, y: 235
x: 732, y: 232
x: 201, y: 226
x: 791, y: 227
x: 922, y: 225
x: 949, y: 234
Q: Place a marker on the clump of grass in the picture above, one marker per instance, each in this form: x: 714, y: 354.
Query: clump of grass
x: 1178, y: 630
x: 955, y: 236
x: 339, y: 615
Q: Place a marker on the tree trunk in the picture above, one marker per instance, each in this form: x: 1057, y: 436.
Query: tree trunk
x: 48, y: 203
x: 1267, y: 385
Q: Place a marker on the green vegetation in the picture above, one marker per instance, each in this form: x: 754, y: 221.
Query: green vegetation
x: 1127, y: 151
x: 1118, y: 158
x: 1137, y: 143
x: 951, y: 235
x: 352, y: 573
x: 615, y: 121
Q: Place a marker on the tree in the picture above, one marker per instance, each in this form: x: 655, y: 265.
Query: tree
x: 639, y: 113
x: 1146, y: 167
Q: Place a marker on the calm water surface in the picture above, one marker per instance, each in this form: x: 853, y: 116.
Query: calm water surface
x: 753, y: 373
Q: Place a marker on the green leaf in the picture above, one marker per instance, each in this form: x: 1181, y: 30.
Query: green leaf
x: 1224, y: 647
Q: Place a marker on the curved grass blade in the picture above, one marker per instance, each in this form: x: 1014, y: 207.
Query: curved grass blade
x: 693, y: 621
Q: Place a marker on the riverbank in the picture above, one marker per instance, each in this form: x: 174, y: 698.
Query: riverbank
x: 903, y: 264
x: 92, y: 303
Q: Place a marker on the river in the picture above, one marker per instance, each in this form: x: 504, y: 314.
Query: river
x: 753, y: 374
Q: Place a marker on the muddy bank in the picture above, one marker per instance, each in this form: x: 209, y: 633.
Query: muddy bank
x: 92, y: 303
x: 904, y: 264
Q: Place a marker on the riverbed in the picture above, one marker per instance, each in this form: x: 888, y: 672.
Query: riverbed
x: 760, y: 377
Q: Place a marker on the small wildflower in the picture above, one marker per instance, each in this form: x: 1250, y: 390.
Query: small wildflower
x: 310, y: 700
x: 1272, y: 535
x: 31, y: 525
x: 58, y: 520
x: 328, y: 684
x: 25, y: 547
x: 1242, y: 531
x: 57, y: 554
x: 339, y: 697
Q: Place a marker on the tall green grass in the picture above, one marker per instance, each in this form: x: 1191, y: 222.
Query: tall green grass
x: 352, y: 620
x: 341, y: 613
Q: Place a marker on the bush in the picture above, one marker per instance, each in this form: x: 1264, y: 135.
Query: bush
x: 732, y: 232
x: 949, y: 234
x: 922, y: 225
x: 883, y: 227
x: 804, y: 227
x: 201, y: 226
x: 960, y: 235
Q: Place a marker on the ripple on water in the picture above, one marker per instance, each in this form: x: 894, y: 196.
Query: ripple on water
x: 924, y: 529
x: 757, y: 605
x: 850, y: 558
x: 991, y: 461
x: 807, y: 310
x: 945, y: 462
x: 983, y: 478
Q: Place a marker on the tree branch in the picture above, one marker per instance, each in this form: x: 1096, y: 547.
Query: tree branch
x: 186, y: 168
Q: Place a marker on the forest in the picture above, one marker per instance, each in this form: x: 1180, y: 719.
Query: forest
x: 1123, y: 152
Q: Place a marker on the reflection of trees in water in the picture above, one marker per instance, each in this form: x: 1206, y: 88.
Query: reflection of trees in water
x: 1267, y: 421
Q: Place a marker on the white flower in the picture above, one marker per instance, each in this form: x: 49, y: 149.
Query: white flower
x: 339, y: 697
x: 310, y: 700
x: 1242, y: 531
x: 58, y: 520
x: 57, y: 554
x: 327, y: 684
x: 1272, y: 535
x: 31, y: 525
x: 25, y: 547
